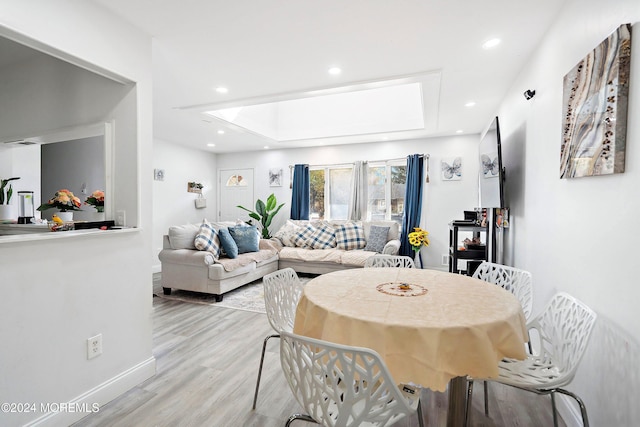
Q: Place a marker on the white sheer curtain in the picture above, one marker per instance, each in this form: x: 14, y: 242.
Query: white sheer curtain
x: 359, y: 197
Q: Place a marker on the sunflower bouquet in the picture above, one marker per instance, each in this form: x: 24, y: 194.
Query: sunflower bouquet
x: 417, y: 239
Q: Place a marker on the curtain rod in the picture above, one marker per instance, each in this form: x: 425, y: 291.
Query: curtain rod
x: 426, y: 156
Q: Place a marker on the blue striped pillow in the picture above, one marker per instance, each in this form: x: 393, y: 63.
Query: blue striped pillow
x: 207, y: 239
x: 350, y: 236
x: 323, y: 238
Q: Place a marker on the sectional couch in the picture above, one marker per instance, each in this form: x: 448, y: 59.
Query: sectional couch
x: 315, y: 247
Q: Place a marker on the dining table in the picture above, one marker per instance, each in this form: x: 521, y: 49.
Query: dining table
x: 431, y: 328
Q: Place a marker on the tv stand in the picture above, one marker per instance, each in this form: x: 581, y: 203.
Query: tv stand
x: 490, y: 234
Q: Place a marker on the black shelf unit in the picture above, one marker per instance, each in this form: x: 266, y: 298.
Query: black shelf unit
x: 469, y: 255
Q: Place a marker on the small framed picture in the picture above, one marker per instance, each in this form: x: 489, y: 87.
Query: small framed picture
x: 158, y: 174
x: 275, y: 177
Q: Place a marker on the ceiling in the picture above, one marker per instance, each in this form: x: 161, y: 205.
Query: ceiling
x: 280, y: 49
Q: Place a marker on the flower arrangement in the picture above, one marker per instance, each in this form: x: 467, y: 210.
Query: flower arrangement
x: 96, y: 200
x: 417, y: 239
x: 5, y: 198
x: 63, y: 200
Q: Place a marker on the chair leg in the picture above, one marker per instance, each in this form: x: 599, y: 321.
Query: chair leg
x: 468, y: 403
x: 553, y: 408
x: 302, y: 417
x: 264, y: 349
x: 419, y: 410
x: 583, y: 408
x: 486, y: 399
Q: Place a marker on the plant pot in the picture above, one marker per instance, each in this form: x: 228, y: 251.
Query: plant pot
x: 66, y: 216
x: 6, y: 212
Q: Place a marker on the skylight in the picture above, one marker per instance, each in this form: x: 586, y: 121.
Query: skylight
x: 370, y: 108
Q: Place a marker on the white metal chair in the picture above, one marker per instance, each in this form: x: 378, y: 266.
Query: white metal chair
x: 342, y: 386
x: 398, y: 261
x: 282, y: 291
x: 514, y: 280
x: 562, y: 332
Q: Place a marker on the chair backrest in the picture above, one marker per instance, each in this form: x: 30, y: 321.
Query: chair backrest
x: 398, y: 261
x: 514, y: 280
x: 341, y: 386
x: 282, y: 291
x: 563, y: 331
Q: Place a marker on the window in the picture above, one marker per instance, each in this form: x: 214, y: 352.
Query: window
x: 330, y: 190
x: 386, y: 185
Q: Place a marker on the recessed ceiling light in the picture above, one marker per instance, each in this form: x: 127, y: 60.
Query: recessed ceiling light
x: 266, y: 147
x: 211, y: 145
x: 491, y: 43
x: 220, y: 132
x: 470, y: 104
x: 334, y: 71
x: 221, y: 89
x: 459, y: 131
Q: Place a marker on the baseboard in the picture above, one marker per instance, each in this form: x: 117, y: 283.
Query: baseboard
x: 86, y: 403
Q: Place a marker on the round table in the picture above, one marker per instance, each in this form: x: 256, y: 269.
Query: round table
x: 428, y: 326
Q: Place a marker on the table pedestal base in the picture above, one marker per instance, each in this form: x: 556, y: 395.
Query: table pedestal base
x: 457, y: 401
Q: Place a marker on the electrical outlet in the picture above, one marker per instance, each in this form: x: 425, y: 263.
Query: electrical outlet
x: 445, y: 259
x: 94, y: 346
x: 120, y: 218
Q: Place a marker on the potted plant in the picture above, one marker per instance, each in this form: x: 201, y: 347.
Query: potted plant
x: 96, y: 200
x: 65, y: 202
x: 5, y: 198
x: 264, y: 213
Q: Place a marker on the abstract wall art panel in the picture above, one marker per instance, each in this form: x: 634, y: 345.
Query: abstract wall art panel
x: 594, y: 116
x: 451, y: 169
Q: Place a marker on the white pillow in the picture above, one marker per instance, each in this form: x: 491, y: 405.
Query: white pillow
x: 182, y: 236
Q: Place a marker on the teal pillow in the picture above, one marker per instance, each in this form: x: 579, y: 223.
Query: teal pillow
x: 247, y: 238
x: 227, y: 242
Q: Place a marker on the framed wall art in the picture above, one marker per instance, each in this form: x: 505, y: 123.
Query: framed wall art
x: 594, y: 116
x: 275, y: 177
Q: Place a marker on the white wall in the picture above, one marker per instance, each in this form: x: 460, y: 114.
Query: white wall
x: 578, y: 235
x: 58, y: 292
x: 443, y: 201
x: 172, y: 204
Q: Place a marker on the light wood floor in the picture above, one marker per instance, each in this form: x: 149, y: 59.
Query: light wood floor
x: 207, y: 362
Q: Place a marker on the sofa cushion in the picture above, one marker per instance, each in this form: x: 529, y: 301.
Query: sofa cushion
x: 355, y: 258
x: 303, y: 236
x: 246, y: 238
x: 323, y: 238
x: 305, y: 254
x: 394, y: 228
x: 377, y: 238
x: 183, y: 236
x: 287, y: 233
x: 228, y: 244
x: 350, y: 236
x: 207, y: 239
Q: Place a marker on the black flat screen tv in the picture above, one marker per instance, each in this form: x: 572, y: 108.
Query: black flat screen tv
x: 491, y: 176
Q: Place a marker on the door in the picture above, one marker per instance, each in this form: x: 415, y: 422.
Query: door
x: 236, y: 188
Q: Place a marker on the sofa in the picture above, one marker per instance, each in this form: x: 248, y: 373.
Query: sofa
x: 186, y: 267
x: 319, y: 253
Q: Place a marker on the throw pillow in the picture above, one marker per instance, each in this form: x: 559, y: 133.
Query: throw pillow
x: 323, y: 238
x: 246, y: 237
x: 350, y: 236
x: 302, y: 239
x: 377, y: 238
x: 207, y: 239
x: 287, y: 233
x: 228, y: 244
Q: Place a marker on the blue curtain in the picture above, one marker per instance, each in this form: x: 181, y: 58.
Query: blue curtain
x: 412, y: 201
x: 300, y: 194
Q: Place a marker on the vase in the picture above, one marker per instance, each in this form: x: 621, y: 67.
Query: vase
x: 6, y: 212
x: 66, y: 216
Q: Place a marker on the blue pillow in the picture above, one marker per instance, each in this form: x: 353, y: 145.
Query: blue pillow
x: 227, y: 242
x: 247, y: 238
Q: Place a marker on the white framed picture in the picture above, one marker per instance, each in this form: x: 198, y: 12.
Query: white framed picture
x: 275, y: 177
x: 451, y: 169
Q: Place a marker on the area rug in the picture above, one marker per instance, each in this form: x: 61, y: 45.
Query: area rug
x: 249, y: 297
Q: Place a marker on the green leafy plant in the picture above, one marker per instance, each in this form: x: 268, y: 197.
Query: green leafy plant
x: 264, y: 213
x: 5, y: 198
